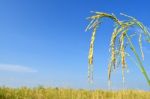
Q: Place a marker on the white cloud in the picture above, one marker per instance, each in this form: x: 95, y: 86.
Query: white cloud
x: 16, y: 68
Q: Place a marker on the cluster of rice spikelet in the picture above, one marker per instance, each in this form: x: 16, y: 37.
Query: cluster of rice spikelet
x: 118, y: 42
x: 90, y: 69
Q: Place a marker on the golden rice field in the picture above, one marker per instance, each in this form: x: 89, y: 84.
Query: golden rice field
x: 61, y: 93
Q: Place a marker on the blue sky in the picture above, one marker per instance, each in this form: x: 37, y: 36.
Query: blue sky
x: 43, y: 42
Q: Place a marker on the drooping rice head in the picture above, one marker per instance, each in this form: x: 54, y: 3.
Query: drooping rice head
x: 116, y: 50
x: 100, y: 15
x: 112, y: 49
x: 95, y: 20
x: 122, y: 52
x: 140, y: 25
x: 90, y: 57
x: 112, y: 44
x: 145, y: 31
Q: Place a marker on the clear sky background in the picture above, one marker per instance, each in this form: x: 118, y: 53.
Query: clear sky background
x: 43, y: 42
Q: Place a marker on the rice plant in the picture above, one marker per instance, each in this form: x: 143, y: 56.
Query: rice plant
x: 67, y: 93
x: 120, y: 40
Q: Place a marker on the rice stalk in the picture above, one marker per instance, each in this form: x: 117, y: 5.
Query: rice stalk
x: 138, y: 59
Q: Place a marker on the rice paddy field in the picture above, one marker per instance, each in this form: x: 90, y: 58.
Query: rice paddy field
x: 66, y: 93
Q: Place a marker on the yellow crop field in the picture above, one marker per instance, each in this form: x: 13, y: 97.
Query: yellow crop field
x: 62, y: 93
